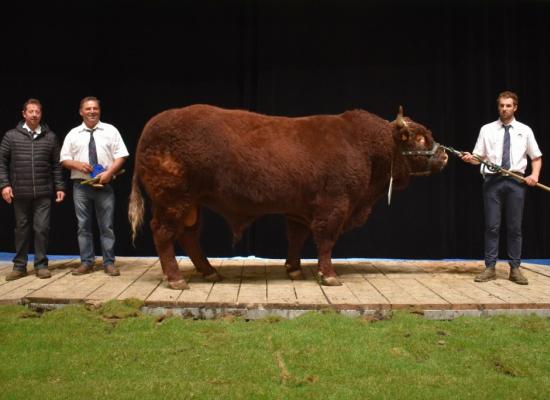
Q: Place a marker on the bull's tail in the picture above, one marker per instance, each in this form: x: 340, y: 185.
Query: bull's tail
x: 135, y: 207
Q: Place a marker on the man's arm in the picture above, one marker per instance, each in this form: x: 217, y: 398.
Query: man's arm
x: 78, y: 165
x: 536, y: 165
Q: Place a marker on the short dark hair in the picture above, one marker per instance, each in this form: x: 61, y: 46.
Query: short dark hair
x: 508, y: 95
x: 89, y: 98
x: 32, y: 101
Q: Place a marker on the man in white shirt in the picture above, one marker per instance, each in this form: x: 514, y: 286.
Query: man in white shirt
x: 505, y: 142
x: 94, y: 149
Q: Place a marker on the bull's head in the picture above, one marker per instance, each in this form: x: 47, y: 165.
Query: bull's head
x: 415, y: 142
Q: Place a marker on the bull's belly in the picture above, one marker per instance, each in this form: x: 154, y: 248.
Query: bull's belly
x: 234, y: 208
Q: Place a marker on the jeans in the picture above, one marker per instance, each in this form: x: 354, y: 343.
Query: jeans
x: 503, y: 193
x: 86, y: 200
x: 31, y: 215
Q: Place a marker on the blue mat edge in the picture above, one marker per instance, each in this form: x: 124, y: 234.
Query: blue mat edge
x: 4, y: 256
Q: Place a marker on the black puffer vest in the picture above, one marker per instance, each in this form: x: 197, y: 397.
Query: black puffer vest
x: 30, y: 167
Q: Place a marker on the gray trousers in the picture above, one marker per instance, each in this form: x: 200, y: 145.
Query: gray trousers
x: 503, y: 196
x: 31, y: 215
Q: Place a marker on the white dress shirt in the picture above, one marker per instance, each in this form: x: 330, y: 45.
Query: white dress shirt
x: 34, y: 133
x: 108, y: 141
x: 522, y: 144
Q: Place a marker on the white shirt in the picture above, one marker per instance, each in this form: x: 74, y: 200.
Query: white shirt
x: 108, y: 141
x: 34, y: 133
x: 522, y: 144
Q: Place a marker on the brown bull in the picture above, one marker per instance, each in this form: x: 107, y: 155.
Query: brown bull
x: 324, y: 173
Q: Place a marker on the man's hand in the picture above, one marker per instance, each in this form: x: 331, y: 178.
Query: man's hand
x: 59, y: 196
x: 85, y: 167
x: 7, y: 194
x: 105, y: 177
x: 531, y: 180
x: 469, y: 158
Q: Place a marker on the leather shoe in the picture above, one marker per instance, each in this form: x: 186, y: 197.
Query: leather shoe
x: 83, y: 269
x: 16, y: 274
x: 43, y: 273
x: 111, y: 270
x: 517, y: 277
x: 489, y: 274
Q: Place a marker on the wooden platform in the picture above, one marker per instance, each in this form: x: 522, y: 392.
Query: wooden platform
x: 256, y: 287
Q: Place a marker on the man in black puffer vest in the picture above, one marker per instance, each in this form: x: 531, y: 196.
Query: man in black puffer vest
x: 29, y: 174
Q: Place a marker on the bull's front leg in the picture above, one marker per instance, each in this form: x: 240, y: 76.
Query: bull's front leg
x: 327, y: 225
x: 164, y: 237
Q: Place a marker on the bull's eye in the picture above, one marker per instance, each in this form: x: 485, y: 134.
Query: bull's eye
x: 420, y: 140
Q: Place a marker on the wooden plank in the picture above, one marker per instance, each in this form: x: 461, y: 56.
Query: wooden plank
x: 70, y: 288
x: 446, y: 289
x: 340, y: 295
x: 16, y: 295
x: 280, y: 288
x: 253, y: 290
x: 409, y: 292
x: 131, y: 269
x: 227, y: 291
x: 308, y: 291
x: 144, y: 285
x: 540, y: 269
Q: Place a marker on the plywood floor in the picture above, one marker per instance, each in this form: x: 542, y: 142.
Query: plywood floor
x: 252, y: 283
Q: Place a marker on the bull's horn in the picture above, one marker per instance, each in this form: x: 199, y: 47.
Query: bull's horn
x: 399, y: 120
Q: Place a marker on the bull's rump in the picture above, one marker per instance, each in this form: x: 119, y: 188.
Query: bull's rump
x: 211, y: 153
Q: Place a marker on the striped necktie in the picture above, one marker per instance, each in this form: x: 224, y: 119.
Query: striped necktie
x: 92, y: 151
x: 506, y: 148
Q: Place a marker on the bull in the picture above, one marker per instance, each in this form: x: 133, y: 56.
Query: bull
x: 324, y: 173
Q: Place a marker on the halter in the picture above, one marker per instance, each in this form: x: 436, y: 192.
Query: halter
x: 427, y: 153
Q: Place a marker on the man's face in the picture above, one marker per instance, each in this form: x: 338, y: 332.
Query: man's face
x: 506, y: 108
x: 32, y: 115
x: 90, y: 113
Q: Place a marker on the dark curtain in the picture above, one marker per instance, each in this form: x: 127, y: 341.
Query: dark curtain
x: 444, y: 61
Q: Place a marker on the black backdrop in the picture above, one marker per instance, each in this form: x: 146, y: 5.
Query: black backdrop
x: 444, y: 61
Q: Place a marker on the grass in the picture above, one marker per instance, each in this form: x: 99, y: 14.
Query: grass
x: 116, y: 352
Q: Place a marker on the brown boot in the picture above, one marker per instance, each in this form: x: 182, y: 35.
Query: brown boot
x: 489, y: 274
x: 517, y: 277
x: 16, y: 274
x: 83, y: 269
x: 111, y: 270
x: 43, y: 273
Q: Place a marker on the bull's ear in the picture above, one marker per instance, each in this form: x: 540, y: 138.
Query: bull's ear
x: 399, y: 121
x: 402, y: 131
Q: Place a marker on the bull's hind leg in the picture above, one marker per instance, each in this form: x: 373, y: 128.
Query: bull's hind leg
x: 297, y: 234
x: 189, y: 240
x: 164, y: 235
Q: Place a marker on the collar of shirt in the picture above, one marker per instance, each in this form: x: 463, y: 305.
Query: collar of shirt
x: 37, y: 131
x: 84, y: 128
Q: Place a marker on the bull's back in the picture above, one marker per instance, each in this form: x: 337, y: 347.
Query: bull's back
x: 251, y: 157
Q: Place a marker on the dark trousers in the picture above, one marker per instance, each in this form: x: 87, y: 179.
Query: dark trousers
x: 503, y: 195
x: 31, y: 215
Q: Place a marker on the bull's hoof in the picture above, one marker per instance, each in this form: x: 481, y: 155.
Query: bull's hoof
x: 213, y: 277
x: 296, y: 275
x: 330, y: 281
x: 178, y: 285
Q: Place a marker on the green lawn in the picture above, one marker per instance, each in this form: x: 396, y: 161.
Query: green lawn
x: 116, y: 353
